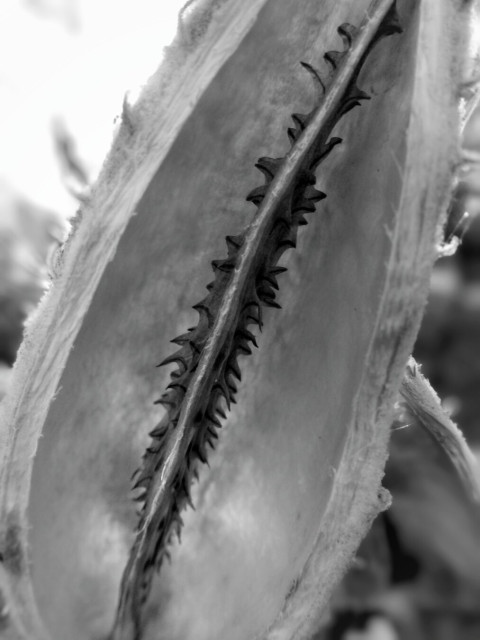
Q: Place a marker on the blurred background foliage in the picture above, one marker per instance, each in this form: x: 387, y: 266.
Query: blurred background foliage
x: 64, y: 68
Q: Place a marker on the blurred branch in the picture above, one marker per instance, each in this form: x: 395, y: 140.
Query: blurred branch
x: 470, y: 93
x: 423, y: 403
x: 74, y: 174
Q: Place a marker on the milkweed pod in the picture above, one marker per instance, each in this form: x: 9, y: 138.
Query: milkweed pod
x: 269, y: 512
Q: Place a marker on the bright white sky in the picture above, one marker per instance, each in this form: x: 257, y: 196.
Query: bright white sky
x: 73, y: 59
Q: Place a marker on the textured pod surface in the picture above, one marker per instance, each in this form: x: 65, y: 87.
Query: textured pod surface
x: 295, y: 479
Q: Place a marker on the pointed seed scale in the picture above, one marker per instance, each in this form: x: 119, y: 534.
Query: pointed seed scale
x: 223, y: 265
x: 248, y: 335
x: 165, y: 403
x: 359, y: 94
x: 314, y: 194
x: 159, y: 431
x: 314, y: 74
x: 271, y: 281
x: 234, y: 367
x: 234, y: 243
x: 269, y: 166
x: 194, y: 346
x: 142, y: 482
x: 244, y: 348
x: 213, y: 419
x: 256, y: 195
x: 290, y: 242
x: 334, y: 57
x: 293, y: 134
x: 177, y: 385
x: 254, y: 320
x: 221, y: 412
x: 176, y: 358
x: 300, y: 119
x: 222, y: 388
x: 347, y: 31
x: 254, y: 304
x: 181, y: 340
x: 276, y: 271
x: 201, y: 454
x: 152, y: 450
x: 269, y: 302
x: 211, y: 430
x: 328, y: 148
x: 204, y: 309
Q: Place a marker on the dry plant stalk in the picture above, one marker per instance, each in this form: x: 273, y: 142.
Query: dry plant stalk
x: 296, y: 478
x: 424, y: 406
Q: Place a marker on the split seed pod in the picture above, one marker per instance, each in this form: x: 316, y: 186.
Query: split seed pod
x: 295, y: 479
